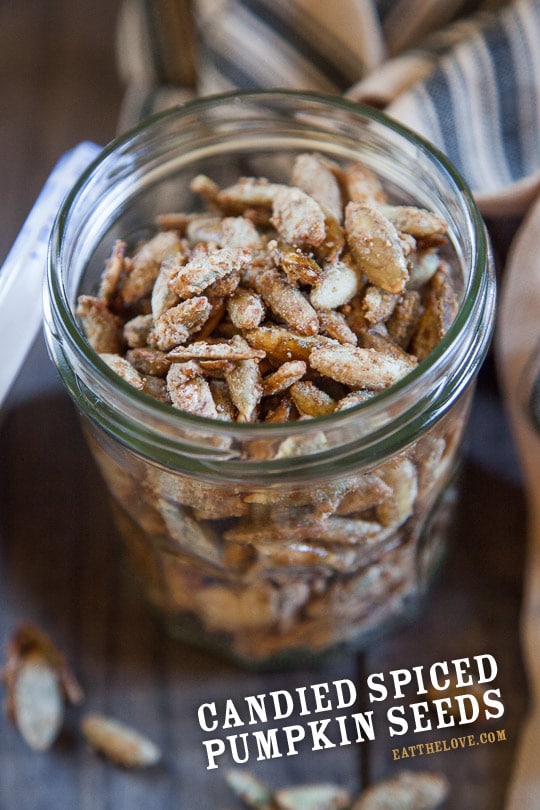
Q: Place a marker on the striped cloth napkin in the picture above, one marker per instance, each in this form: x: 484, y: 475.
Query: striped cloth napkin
x: 463, y: 73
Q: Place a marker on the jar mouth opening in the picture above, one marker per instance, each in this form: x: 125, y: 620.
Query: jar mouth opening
x: 473, y: 294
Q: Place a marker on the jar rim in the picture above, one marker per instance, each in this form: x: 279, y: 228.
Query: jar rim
x: 477, y: 291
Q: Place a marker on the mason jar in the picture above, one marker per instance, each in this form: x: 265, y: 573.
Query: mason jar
x: 272, y: 543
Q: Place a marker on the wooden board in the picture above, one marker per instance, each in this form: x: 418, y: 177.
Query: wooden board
x: 59, y: 553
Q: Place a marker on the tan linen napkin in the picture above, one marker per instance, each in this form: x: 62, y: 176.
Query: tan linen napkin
x: 518, y: 354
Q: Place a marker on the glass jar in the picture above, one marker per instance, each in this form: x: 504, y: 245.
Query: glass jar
x: 271, y: 543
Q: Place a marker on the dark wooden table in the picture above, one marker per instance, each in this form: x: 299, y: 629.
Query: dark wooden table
x: 59, y: 553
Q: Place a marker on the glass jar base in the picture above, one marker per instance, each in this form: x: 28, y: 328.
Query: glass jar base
x: 186, y: 629
x: 387, y: 595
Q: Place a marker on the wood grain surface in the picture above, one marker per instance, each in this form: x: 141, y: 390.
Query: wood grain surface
x: 60, y: 562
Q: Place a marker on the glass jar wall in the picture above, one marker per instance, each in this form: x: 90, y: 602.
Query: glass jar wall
x: 272, y: 543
